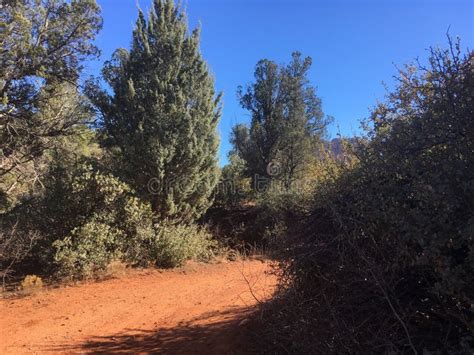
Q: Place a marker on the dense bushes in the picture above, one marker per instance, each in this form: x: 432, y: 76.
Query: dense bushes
x: 87, y: 219
x: 386, y: 260
x: 261, y: 222
x: 90, y: 249
x: 234, y: 187
x: 84, y: 209
x: 247, y: 216
x: 113, y: 224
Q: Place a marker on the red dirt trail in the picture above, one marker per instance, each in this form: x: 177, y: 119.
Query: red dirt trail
x: 198, y: 309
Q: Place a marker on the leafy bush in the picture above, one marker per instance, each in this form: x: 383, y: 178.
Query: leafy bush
x: 386, y: 259
x: 116, y: 225
x: 109, y: 223
x: 98, y: 220
x: 175, y: 244
x: 88, y: 249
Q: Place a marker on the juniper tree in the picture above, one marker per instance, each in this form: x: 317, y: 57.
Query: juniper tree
x: 286, y: 120
x: 162, y: 115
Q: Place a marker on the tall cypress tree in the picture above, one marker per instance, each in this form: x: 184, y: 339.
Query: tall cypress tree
x: 163, y: 114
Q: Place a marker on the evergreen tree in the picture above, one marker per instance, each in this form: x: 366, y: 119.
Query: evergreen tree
x: 287, y: 120
x: 42, y: 46
x: 161, y: 119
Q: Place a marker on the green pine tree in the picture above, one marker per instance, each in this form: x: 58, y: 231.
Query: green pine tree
x: 286, y: 121
x: 162, y: 117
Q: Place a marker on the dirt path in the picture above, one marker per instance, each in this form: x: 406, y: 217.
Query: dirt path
x: 201, y: 308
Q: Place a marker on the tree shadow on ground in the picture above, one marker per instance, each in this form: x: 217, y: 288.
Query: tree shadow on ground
x: 210, y: 333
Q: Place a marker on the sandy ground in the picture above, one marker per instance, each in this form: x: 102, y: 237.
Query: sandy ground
x: 198, y: 309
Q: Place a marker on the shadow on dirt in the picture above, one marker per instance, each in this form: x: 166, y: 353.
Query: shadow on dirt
x: 210, y: 333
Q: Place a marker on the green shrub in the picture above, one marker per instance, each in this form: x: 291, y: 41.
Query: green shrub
x: 174, y: 244
x: 109, y: 222
x: 88, y: 249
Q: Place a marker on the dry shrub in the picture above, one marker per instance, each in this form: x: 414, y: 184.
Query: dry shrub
x: 115, y: 269
x: 385, y: 263
x: 15, y: 246
x: 31, y: 283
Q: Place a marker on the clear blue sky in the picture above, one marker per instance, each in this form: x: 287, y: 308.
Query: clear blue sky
x: 354, y: 44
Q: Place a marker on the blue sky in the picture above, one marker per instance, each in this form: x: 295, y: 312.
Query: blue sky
x: 354, y: 45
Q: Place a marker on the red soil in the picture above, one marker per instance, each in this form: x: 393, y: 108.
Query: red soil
x: 198, y: 309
